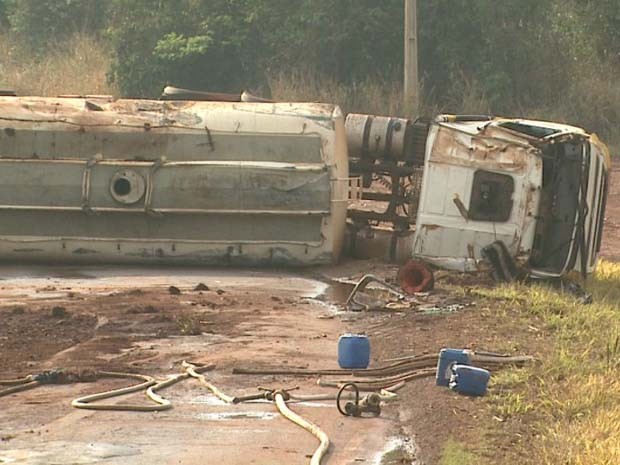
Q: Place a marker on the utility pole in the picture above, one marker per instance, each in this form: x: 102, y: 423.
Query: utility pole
x: 411, y: 85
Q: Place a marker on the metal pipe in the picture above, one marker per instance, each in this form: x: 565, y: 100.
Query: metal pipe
x: 376, y: 216
x: 419, y: 361
x: 383, y: 168
x: 382, y: 383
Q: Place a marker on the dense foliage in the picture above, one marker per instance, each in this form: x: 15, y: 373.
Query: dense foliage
x: 512, y: 54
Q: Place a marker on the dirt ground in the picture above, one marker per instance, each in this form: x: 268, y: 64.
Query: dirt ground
x: 130, y: 320
x: 610, y: 247
x: 95, y: 319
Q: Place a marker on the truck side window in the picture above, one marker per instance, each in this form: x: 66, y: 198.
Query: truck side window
x: 491, y: 197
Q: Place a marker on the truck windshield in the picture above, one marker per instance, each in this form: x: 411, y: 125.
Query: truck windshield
x: 557, y: 226
x: 528, y: 129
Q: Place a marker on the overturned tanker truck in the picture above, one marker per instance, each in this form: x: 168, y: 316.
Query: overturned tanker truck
x: 250, y: 182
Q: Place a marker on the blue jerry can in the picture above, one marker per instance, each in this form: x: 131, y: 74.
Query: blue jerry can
x: 469, y: 380
x: 353, y: 351
x: 447, y: 358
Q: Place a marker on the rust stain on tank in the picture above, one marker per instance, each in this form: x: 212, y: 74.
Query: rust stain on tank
x: 457, y: 148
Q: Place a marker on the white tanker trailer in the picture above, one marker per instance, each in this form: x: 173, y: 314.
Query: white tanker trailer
x: 188, y: 182
x: 96, y: 179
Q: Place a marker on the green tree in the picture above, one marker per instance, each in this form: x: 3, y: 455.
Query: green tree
x: 232, y: 44
x: 4, y: 20
x: 41, y: 22
x: 190, y: 43
x: 345, y: 39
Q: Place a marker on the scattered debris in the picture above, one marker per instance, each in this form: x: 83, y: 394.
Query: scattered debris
x: 392, y: 377
x: 173, y: 290
x: 354, y: 305
x: 572, y: 288
x: 440, y: 309
x: 416, y: 276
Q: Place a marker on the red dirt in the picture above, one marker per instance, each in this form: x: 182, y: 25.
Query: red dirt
x: 610, y: 248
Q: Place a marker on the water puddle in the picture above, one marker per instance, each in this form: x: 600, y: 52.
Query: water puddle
x: 207, y: 400
x: 337, y: 291
x: 397, y: 451
x: 372, y: 297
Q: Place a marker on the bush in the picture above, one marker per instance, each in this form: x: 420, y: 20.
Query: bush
x: 195, y: 44
x: 40, y: 23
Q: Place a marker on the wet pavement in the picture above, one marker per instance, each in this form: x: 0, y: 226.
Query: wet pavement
x: 261, y: 318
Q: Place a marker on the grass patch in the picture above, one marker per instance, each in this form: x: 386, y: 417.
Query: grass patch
x: 567, y: 404
x: 398, y: 456
x: 78, y: 65
x: 455, y: 453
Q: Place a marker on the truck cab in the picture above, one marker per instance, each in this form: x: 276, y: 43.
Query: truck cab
x: 537, y: 187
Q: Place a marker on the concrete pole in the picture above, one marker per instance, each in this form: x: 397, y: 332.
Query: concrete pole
x: 411, y: 85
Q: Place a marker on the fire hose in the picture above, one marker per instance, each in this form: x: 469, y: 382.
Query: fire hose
x: 191, y: 370
x: 18, y: 385
x: 383, y: 381
x: 45, y: 377
x: 147, y: 383
x: 280, y: 399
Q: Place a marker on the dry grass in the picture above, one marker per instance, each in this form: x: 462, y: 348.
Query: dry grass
x: 372, y: 96
x: 569, y: 403
x: 593, y: 102
x: 75, y: 66
x: 80, y: 66
x: 456, y: 453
